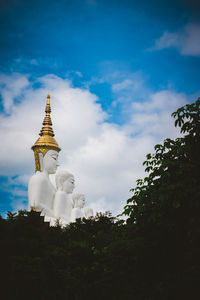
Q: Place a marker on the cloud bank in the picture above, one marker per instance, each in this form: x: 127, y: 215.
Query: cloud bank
x: 106, y: 158
x: 187, y: 40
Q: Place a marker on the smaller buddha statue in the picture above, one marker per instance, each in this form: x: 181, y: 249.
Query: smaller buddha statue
x: 79, y: 202
x: 62, y: 203
x: 88, y: 212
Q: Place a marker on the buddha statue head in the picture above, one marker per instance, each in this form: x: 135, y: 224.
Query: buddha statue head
x: 46, y: 148
x: 65, y: 181
x: 78, y: 200
x: 49, y: 162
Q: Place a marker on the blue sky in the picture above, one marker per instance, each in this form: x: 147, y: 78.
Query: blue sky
x: 133, y: 63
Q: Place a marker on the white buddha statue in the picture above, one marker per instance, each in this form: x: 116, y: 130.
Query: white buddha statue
x: 63, y: 204
x: 79, y: 202
x: 43, y: 197
x: 88, y: 212
x: 41, y: 191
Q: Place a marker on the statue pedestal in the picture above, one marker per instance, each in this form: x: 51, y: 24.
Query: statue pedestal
x: 38, y: 220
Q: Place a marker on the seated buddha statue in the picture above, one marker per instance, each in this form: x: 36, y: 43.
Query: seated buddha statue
x: 79, y: 202
x: 62, y: 203
x: 88, y: 212
x: 41, y: 191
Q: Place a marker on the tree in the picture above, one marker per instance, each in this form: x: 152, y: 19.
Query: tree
x: 165, y: 209
x: 173, y: 181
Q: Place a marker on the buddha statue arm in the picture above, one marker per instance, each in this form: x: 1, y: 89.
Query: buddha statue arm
x: 34, y: 193
x: 39, y: 194
x: 59, y: 204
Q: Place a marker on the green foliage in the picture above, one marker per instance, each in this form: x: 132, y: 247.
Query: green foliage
x: 165, y: 207
x: 173, y: 179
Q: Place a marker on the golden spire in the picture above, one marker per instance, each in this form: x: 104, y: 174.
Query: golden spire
x: 47, y: 129
x: 46, y: 141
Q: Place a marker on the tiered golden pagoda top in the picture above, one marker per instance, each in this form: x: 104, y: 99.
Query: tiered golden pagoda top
x: 46, y: 141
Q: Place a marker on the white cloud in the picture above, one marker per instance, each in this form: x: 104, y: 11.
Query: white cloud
x: 11, y: 87
x: 123, y: 85
x: 167, y: 40
x: 153, y: 117
x: 127, y: 87
x: 187, y: 40
x: 105, y: 158
x: 19, y: 203
x: 79, y: 74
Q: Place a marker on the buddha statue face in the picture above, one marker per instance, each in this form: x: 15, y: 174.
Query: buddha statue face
x: 81, y: 201
x: 49, y: 162
x: 68, y: 185
x: 65, y: 181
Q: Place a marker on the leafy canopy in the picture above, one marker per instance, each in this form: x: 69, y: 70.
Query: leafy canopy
x: 173, y: 172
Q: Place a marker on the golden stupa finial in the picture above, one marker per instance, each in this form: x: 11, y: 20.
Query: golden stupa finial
x: 46, y: 141
x: 47, y: 124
